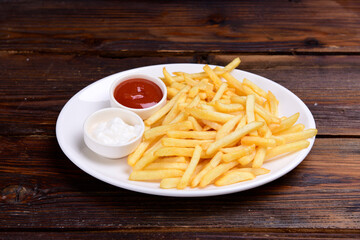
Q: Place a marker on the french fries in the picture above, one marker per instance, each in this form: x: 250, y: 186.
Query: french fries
x: 184, y: 181
x: 234, y: 177
x: 214, y: 129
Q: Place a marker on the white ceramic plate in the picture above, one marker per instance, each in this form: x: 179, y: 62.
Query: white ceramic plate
x: 69, y: 132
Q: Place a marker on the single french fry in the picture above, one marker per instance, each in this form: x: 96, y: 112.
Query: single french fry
x: 233, y: 137
x: 165, y: 165
x: 174, y: 151
x: 198, y: 168
x: 258, y: 141
x: 168, y: 183
x: 139, y: 151
x: 220, y: 92
x: 266, y: 115
x: 286, y: 148
x: 231, y: 149
x: 250, y: 111
x: 214, y: 173
x: 196, y: 125
x: 233, y: 82
x: 171, y: 92
x: 255, y: 171
x: 165, y: 109
x: 267, y: 106
x: 207, y: 107
x: 175, y: 142
x: 245, y: 160
x: 145, y: 175
x: 239, y: 99
x: 171, y: 160
x: 178, y: 151
x: 232, y: 65
x: 212, y: 164
x: 161, y: 130
x: 255, y: 88
x: 192, y: 134
x: 259, y: 157
x: 227, y: 127
x: 261, y: 149
x: 209, y: 115
x: 168, y: 79
x: 181, y: 117
x: 194, y: 102
x: 273, y: 103
x: 211, y: 124
x: 232, y: 156
x: 204, y: 85
x: 148, y: 157
x: 189, y: 81
x: 213, y: 76
x: 248, y: 91
x: 224, y: 100
x: 250, y: 108
x: 194, y: 91
x: 241, y: 123
x: 297, y: 136
x: 296, y: 128
x: 228, y: 108
x: 177, y: 85
x: 175, y: 110
x: 264, y: 129
x: 234, y: 177
x: 185, y: 179
x: 286, y: 123
x: 279, y: 140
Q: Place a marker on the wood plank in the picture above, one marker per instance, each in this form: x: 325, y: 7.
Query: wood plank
x: 171, y: 234
x: 35, y: 87
x: 41, y: 189
x: 130, y: 27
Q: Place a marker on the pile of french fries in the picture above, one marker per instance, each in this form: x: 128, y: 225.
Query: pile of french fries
x: 213, y: 131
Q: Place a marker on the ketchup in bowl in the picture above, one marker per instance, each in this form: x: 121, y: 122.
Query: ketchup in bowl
x: 138, y: 93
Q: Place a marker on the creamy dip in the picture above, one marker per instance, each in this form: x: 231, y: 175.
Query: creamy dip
x: 115, y: 131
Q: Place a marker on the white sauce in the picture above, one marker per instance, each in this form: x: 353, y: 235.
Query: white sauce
x: 115, y: 131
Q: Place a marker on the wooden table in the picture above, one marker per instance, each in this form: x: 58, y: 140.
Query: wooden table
x: 50, y: 50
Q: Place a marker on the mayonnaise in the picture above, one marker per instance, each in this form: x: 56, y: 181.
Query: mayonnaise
x: 115, y: 131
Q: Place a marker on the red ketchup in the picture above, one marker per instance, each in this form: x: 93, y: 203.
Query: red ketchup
x: 138, y: 93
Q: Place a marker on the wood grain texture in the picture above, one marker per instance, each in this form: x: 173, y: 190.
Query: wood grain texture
x: 41, y: 189
x: 49, y: 50
x: 172, y: 233
x: 35, y: 87
x: 118, y: 27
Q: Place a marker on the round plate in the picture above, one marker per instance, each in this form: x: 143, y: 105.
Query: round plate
x: 69, y: 133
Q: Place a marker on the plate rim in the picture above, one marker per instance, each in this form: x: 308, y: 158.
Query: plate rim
x: 184, y: 193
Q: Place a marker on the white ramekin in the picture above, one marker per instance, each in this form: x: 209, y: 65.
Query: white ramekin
x: 144, y: 113
x: 116, y: 150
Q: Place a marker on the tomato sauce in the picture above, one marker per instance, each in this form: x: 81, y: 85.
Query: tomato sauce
x: 138, y: 93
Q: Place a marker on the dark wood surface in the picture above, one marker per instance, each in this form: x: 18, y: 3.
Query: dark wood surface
x: 49, y: 50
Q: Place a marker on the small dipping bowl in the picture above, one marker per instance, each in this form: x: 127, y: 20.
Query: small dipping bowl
x: 112, y: 150
x: 144, y: 113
